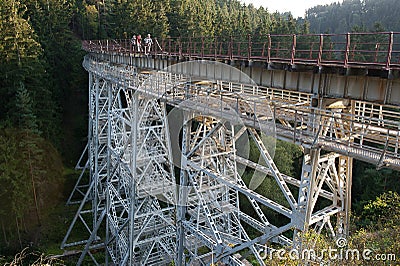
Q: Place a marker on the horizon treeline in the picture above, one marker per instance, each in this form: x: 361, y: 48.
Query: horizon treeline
x: 98, y: 19
x: 355, y: 15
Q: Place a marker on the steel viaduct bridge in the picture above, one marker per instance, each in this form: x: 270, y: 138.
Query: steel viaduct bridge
x: 169, y: 136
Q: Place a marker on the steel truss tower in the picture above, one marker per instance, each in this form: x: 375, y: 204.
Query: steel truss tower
x: 131, y: 192
x: 141, y: 215
x: 326, y: 175
x: 91, y: 194
x: 140, y: 228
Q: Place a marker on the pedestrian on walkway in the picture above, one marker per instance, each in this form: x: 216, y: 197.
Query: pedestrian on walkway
x: 133, y: 42
x: 139, y: 43
x: 148, y: 42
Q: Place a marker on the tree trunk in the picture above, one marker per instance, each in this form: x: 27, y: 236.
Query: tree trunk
x: 4, y: 233
x: 19, y: 235
x: 33, y: 188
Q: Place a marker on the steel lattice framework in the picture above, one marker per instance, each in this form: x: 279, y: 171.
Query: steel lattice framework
x: 131, y: 170
x: 142, y: 212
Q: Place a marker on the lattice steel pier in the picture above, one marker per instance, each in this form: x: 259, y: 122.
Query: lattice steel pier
x: 166, y: 157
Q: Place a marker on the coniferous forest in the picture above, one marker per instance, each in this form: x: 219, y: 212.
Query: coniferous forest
x: 43, y: 100
x: 355, y: 15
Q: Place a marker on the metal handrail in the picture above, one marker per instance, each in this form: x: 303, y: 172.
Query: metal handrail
x: 379, y: 50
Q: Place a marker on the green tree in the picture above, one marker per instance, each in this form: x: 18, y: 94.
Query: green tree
x: 14, y: 190
x: 161, y: 22
x: 51, y: 19
x: 20, y: 55
x: 343, y: 17
x: 24, y: 110
x: 223, y: 21
x: 29, y: 171
x: 383, y: 212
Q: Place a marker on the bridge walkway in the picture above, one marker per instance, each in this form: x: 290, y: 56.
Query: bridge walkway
x: 370, y: 133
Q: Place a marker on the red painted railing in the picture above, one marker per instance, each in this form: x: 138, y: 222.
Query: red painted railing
x: 361, y: 50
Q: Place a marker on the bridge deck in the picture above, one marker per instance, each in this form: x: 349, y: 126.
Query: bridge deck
x: 356, y: 66
x: 380, y: 50
x: 370, y: 134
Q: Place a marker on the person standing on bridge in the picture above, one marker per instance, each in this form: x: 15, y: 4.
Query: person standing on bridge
x: 133, y: 42
x: 139, y: 43
x: 148, y: 42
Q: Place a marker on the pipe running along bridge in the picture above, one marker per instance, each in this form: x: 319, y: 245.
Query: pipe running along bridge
x: 169, y: 137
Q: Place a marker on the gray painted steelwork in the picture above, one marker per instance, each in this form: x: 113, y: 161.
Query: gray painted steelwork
x: 153, y: 217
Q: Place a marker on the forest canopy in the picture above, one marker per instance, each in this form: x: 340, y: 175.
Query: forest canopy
x: 43, y: 87
x: 119, y: 19
x: 365, y: 15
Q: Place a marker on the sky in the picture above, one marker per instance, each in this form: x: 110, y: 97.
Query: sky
x: 297, y: 7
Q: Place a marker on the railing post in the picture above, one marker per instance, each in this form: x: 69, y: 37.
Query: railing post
x: 230, y: 48
x: 295, y: 127
x: 390, y: 49
x: 190, y: 47
x: 215, y: 48
x: 263, y: 50
x: 169, y: 46
x: 269, y: 49
x: 311, y: 50
x: 377, y: 47
x: 293, y: 50
x: 202, y: 47
x: 155, y: 49
x: 180, y: 47
x: 320, y: 49
x: 248, y: 46
x: 346, y: 55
